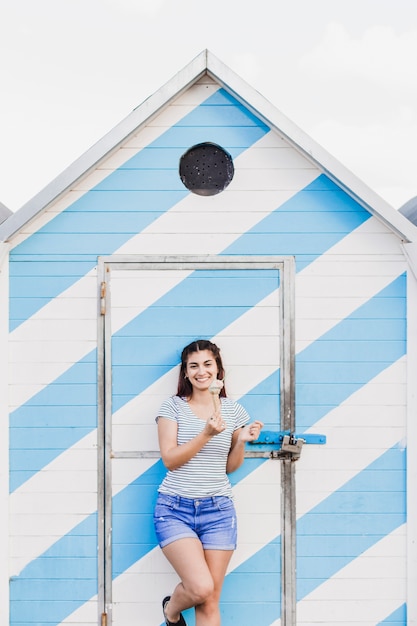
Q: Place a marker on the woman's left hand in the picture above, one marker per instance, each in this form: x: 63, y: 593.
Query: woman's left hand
x: 251, y: 431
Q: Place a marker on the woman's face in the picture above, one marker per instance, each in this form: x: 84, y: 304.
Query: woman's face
x: 201, y: 369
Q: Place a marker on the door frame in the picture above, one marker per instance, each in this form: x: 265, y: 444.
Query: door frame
x: 286, y: 267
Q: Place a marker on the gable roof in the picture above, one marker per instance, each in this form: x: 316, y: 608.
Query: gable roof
x: 409, y: 209
x: 4, y: 212
x: 207, y: 63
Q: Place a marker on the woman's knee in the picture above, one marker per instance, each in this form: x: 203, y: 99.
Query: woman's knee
x: 200, y: 590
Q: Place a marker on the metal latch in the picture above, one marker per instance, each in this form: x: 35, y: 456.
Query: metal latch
x: 282, y: 444
x: 292, y: 445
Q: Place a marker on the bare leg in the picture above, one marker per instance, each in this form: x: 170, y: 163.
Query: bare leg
x: 188, y: 559
x: 208, y: 612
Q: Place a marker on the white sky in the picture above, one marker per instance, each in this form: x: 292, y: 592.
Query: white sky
x: 345, y: 71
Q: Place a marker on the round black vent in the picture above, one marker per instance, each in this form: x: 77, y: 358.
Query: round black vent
x: 206, y: 169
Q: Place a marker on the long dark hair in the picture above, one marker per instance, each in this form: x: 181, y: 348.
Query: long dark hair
x: 185, y: 388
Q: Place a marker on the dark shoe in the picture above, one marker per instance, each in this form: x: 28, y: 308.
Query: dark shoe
x: 181, y: 621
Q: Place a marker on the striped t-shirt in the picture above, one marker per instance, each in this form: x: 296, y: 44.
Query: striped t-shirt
x: 205, y: 474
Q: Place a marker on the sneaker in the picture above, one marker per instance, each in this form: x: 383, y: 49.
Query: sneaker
x: 180, y: 622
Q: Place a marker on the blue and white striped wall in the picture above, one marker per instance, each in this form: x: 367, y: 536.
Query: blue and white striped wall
x: 351, y: 379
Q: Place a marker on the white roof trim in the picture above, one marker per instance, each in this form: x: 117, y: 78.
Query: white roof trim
x: 4, y: 249
x: 410, y: 250
x: 207, y: 62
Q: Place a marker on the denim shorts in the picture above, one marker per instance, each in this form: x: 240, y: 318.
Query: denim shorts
x: 211, y: 520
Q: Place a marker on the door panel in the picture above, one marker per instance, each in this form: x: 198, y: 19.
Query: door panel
x: 153, y: 309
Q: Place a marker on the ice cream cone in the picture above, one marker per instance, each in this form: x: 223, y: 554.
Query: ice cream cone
x: 215, y: 389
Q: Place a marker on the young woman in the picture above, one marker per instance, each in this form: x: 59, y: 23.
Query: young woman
x: 202, y: 438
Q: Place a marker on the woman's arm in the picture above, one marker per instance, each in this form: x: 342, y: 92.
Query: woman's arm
x: 174, y: 455
x: 237, y: 449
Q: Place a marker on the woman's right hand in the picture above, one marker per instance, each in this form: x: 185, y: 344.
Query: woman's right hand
x: 215, y: 424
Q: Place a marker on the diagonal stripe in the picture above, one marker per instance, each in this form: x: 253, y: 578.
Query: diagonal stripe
x: 331, y: 536
x: 351, y: 354
x: 368, y: 577
x: 75, y: 554
x: 397, y: 618
x: 352, y: 519
x: 155, y: 127
x: 309, y: 223
x: 323, y: 605
x: 351, y: 426
x: 135, y: 354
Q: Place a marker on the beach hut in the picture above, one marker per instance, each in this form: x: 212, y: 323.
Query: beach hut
x: 207, y: 213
